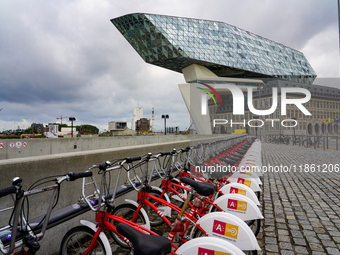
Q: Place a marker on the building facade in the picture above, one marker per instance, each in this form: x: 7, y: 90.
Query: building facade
x: 324, y: 107
x: 210, y: 54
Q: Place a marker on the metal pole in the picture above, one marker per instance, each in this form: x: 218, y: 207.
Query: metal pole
x: 72, y: 128
x: 164, y: 126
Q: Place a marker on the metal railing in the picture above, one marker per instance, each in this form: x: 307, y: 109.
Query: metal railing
x: 308, y: 141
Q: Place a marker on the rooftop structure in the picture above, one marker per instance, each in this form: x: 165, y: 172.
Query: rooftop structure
x: 175, y: 43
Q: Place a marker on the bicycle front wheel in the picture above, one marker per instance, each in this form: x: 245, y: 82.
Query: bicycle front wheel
x: 127, y: 212
x: 78, y: 239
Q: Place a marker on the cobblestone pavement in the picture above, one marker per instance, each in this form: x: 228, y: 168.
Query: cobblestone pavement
x: 301, y: 207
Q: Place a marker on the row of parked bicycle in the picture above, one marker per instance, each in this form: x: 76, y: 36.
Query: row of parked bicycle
x: 212, y: 189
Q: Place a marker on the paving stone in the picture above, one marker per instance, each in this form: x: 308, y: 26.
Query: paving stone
x: 284, y: 252
x: 316, y: 247
x: 270, y: 240
x: 284, y: 238
x: 272, y: 248
x: 320, y: 230
x: 295, y: 227
x: 328, y: 243
x: 283, y: 232
x: 280, y: 220
x: 285, y: 246
x: 299, y: 241
x: 323, y: 236
x: 332, y: 251
x: 334, y: 233
x: 336, y: 239
x: 301, y: 250
x: 296, y: 233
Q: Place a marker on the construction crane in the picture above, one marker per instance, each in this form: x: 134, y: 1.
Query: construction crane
x: 61, y: 119
x: 188, y: 130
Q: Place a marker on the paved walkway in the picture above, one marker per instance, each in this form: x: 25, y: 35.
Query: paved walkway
x: 301, y: 207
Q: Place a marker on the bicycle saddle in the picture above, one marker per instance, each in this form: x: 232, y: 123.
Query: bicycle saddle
x: 202, y: 188
x: 145, y: 244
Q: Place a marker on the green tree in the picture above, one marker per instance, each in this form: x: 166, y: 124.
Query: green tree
x: 88, y: 129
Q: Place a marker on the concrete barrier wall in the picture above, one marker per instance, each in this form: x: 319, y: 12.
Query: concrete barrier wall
x: 18, y: 148
x: 31, y: 169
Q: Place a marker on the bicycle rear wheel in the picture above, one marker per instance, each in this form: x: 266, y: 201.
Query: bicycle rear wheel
x: 78, y: 239
x: 154, y: 218
x: 125, y: 211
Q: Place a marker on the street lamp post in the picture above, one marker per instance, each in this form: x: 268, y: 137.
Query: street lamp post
x: 72, y: 119
x: 165, y: 116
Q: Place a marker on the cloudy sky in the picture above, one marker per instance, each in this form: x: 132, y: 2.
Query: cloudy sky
x: 65, y: 58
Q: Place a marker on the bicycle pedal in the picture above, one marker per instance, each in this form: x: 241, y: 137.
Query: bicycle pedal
x: 21, y: 253
x: 177, y: 239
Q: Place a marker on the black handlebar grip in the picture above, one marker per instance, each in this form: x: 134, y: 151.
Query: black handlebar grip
x: 130, y: 160
x: 7, y: 191
x: 164, y: 153
x: 75, y: 176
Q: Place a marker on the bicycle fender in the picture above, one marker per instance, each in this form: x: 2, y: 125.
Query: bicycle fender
x: 246, y: 180
x: 102, y: 236
x: 147, y: 223
x: 231, y: 228
x: 241, y: 189
x: 208, y: 245
x: 166, y: 210
x: 240, y: 206
x: 243, y: 174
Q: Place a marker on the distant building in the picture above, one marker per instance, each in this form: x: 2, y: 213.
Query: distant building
x: 143, y: 125
x: 137, y: 114
x: 119, y: 128
x: 38, y: 128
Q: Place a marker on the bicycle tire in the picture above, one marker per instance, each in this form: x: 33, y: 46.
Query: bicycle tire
x: 126, y: 211
x: 76, y: 241
x: 154, y: 218
x: 306, y: 143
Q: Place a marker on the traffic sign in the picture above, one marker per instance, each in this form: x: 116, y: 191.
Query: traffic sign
x: 18, y: 144
x: 2, y: 145
x: 24, y: 144
x: 12, y: 145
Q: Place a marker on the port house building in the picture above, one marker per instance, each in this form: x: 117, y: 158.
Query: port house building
x: 211, y: 54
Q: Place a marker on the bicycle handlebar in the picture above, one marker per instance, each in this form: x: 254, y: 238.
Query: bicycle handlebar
x: 7, y: 191
x: 130, y: 160
x: 75, y: 176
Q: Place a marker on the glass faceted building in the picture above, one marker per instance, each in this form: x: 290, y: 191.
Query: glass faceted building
x: 175, y: 43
